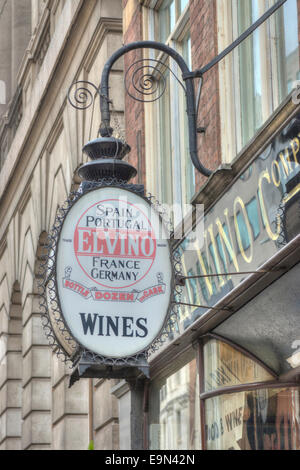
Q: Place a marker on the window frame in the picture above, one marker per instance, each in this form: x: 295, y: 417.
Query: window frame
x: 177, y: 178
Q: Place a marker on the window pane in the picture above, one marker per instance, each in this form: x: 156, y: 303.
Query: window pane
x: 257, y: 420
x: 268, y: 62
x: 167, y: 19
x: 183, y: 4
x: 175, y: 411
x: 250, y: 71
x: 165, y: 142
x: 225, y: 366
x: 286, y: 21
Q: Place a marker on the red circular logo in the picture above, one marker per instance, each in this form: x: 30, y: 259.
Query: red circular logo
x: 114, y: 243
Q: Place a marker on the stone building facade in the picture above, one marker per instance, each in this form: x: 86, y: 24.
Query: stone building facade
x: 45, y: 46
x: 228, y: 375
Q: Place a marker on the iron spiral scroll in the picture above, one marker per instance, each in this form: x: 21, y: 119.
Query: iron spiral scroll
x: 82, y: 94
x: 145, y: 80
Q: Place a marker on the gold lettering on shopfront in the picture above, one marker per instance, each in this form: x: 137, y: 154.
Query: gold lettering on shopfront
x: 239, y: 202
x: 216, y: 255
x: 295, y: 149
x: 266, y: 176
x: 228, y: 242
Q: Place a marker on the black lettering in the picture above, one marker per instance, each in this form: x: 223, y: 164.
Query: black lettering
x: 228, y: 419
x: 142, y: 327
x: 94, y: 273
x: 113, y: 326
x: 89, y: 220
x: 127, y: 326
x: 100, y: 210
x: 100, y: 325
x: 89, y: 323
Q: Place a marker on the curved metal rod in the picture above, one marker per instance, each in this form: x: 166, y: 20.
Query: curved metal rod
x: 106, y: 130
x: 149, y: 91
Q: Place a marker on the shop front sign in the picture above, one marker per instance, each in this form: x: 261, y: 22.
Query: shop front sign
x: 113, y: 275
x: 248, y: 225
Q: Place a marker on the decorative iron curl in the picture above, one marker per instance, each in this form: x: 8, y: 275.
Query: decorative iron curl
x: 80, y: 95
x: 145, y: 80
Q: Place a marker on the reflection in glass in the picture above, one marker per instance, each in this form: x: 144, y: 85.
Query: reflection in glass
x: 256, y: 420
x: 271, y: 51
x: 175, y: 412
x: 225, y: 366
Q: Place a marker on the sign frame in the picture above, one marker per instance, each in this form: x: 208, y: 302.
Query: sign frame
x: 68, y: 347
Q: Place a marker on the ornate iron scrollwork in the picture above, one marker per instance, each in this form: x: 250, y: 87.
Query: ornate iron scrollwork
x: 80, y: 95
x: 145, y: 80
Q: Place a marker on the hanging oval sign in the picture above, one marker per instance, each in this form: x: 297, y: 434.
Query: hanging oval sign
x: 114, y: 272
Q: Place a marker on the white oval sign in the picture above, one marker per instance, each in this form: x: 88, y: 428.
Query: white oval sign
x: 114, y: 272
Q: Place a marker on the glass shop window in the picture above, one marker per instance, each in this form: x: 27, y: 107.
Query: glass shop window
x: 175, y: 411
x: 265, y: 419
x: 224, y: 366
x: 259, y: 74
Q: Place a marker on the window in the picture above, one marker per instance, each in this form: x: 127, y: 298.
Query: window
x: 225, y: 366
x: 175, y: 413
x: 264, y: 419
x: 170, y: 172
x: 258, y: 75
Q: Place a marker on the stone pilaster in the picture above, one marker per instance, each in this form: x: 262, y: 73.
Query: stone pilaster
x: 106, y: 424
x: 10, y: 377
x: 70, y: 420
x: 37, y: 399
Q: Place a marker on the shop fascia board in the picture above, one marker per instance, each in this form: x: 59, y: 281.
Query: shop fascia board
x: 225, y: 176
x: 276, y: 266
x: 39, y: 91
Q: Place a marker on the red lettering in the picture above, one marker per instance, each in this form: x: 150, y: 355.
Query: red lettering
x: 114, y: 243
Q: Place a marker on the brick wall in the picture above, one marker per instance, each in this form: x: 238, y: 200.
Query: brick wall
x: 203, y: 23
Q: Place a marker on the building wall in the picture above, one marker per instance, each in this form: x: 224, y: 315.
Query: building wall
x: 203, y: 24
x: 70, y: 40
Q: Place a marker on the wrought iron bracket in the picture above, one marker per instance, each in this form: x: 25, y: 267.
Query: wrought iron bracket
x: 147, y: 81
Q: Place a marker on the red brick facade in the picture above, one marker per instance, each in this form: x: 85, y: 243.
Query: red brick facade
x: 203, y: 24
